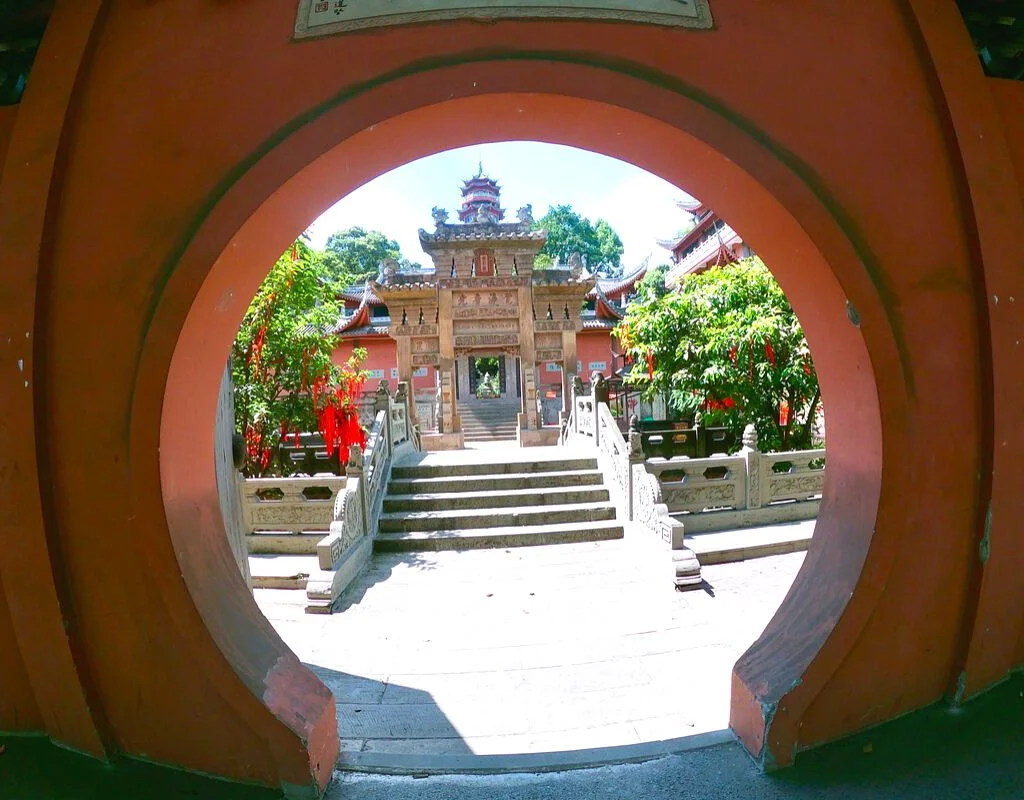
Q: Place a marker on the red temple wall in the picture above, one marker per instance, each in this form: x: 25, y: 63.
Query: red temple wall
x: 382, y: 362
x: 149, y: 187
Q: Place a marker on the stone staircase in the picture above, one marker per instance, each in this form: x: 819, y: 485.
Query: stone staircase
x: 489, y: 420
x: 496, y: 499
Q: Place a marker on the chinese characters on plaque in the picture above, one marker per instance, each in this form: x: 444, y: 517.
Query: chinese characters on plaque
x: 324, y: 17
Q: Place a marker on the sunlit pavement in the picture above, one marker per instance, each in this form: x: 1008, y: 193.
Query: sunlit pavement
x: 531, y: 650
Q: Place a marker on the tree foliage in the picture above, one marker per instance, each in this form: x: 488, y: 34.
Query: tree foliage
x: 729, y: 346
x: 282, y: 350
x: 569, y: 232
x: 355, y: 254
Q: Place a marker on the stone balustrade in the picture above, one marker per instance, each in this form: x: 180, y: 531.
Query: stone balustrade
x: 330, y: 516
x: 695, y: 495
x: 288, y: 515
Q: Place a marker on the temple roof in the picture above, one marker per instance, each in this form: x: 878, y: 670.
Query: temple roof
x: 617, y: 286
x: 483, y: 232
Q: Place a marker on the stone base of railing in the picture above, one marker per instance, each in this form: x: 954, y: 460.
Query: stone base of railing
x: 325, y: 587
x: 686, y: 569
x: 283, y: 543
x: 708, y: 521
x: 544, y: 437
x: 433, y: 442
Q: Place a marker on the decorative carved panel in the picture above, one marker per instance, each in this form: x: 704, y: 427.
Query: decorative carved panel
x: 487, y: 340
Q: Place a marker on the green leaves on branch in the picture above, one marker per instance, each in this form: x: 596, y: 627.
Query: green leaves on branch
x: 284, y: 343
x: 729, y: 346
x: 569, y: 232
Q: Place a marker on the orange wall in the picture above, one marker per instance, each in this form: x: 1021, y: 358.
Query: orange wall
x: 382, y: 358
x: 145, y: 190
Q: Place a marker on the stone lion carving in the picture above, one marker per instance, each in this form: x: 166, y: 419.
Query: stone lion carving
x: 389, y: 269
x: 526, y: 214
x: 576, y: 265
x: 483, y: 214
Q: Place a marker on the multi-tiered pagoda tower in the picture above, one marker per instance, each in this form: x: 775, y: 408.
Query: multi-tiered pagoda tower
x: 481, y: 199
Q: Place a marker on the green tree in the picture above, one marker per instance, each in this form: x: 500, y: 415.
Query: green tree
x: 728, y: 345
x: 652, y: 285
x: 282, y: 350
x: 355, y: 254
x: 569, y: 232
x: 609, y: 244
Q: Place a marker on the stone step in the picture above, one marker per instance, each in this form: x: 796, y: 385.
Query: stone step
x: 477, y: 427
x: 409, y: 521
x: 500, y: 537
x: 493, y: 483
x: 546, y: 496
x: 448, y: 469
x: 468, y: 422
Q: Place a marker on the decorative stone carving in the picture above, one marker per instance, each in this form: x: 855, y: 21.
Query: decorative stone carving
x: 487, y: 340
x: 426, y: 359
x: 440, y: 215
x: 548, y: 355
x: 795, y: 486
x: 750, y: 437
x: 576, y: 265
x: 389, y: 270
x: 355, y: 458
x: 525, y: 214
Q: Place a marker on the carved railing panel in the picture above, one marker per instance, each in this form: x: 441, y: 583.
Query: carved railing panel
x: 290, y: 504
x: 615, y: 451
x: 795, y: 475
x: 585, y: 416
x: 701, y: 484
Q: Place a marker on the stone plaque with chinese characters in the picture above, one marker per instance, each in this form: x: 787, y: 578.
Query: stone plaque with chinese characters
x: 324, y: 17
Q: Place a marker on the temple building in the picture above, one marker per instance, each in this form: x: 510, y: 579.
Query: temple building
x: 711, y: 242
x: 484, y: 307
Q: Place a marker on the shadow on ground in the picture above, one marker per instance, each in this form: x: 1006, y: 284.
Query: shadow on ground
x: 369, y: 721
x: 934, y: 754
x: 381, y: 567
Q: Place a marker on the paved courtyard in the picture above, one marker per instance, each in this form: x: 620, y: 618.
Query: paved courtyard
x: 531, y: 650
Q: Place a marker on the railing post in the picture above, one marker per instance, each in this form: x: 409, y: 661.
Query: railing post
x: 403, y: 396
x: 381, y: 398
x: 635, y: 456
x: 599, y: 390
x: 355, y: 471
x: 577, y: 392
x: 752, y: 459
x: 700, y: 439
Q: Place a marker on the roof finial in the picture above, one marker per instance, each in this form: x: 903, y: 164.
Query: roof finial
x: 480, y: 170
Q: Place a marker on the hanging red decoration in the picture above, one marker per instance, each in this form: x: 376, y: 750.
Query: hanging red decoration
x: 650, y: 364
x: 807, y: 366
x: 784, y: 413
x: 732, y: 354
x: 295, y: 253
x: 768, y: 352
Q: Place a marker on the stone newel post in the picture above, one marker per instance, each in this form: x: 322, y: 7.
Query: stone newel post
x: 354, y: 471
x: 380, y: 399
x: 636, y: 456
x: 753, y: 458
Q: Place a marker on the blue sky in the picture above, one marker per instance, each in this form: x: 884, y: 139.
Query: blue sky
x: 640, y: 206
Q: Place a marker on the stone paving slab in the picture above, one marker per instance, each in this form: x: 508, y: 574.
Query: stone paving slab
x: 548, y: 649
